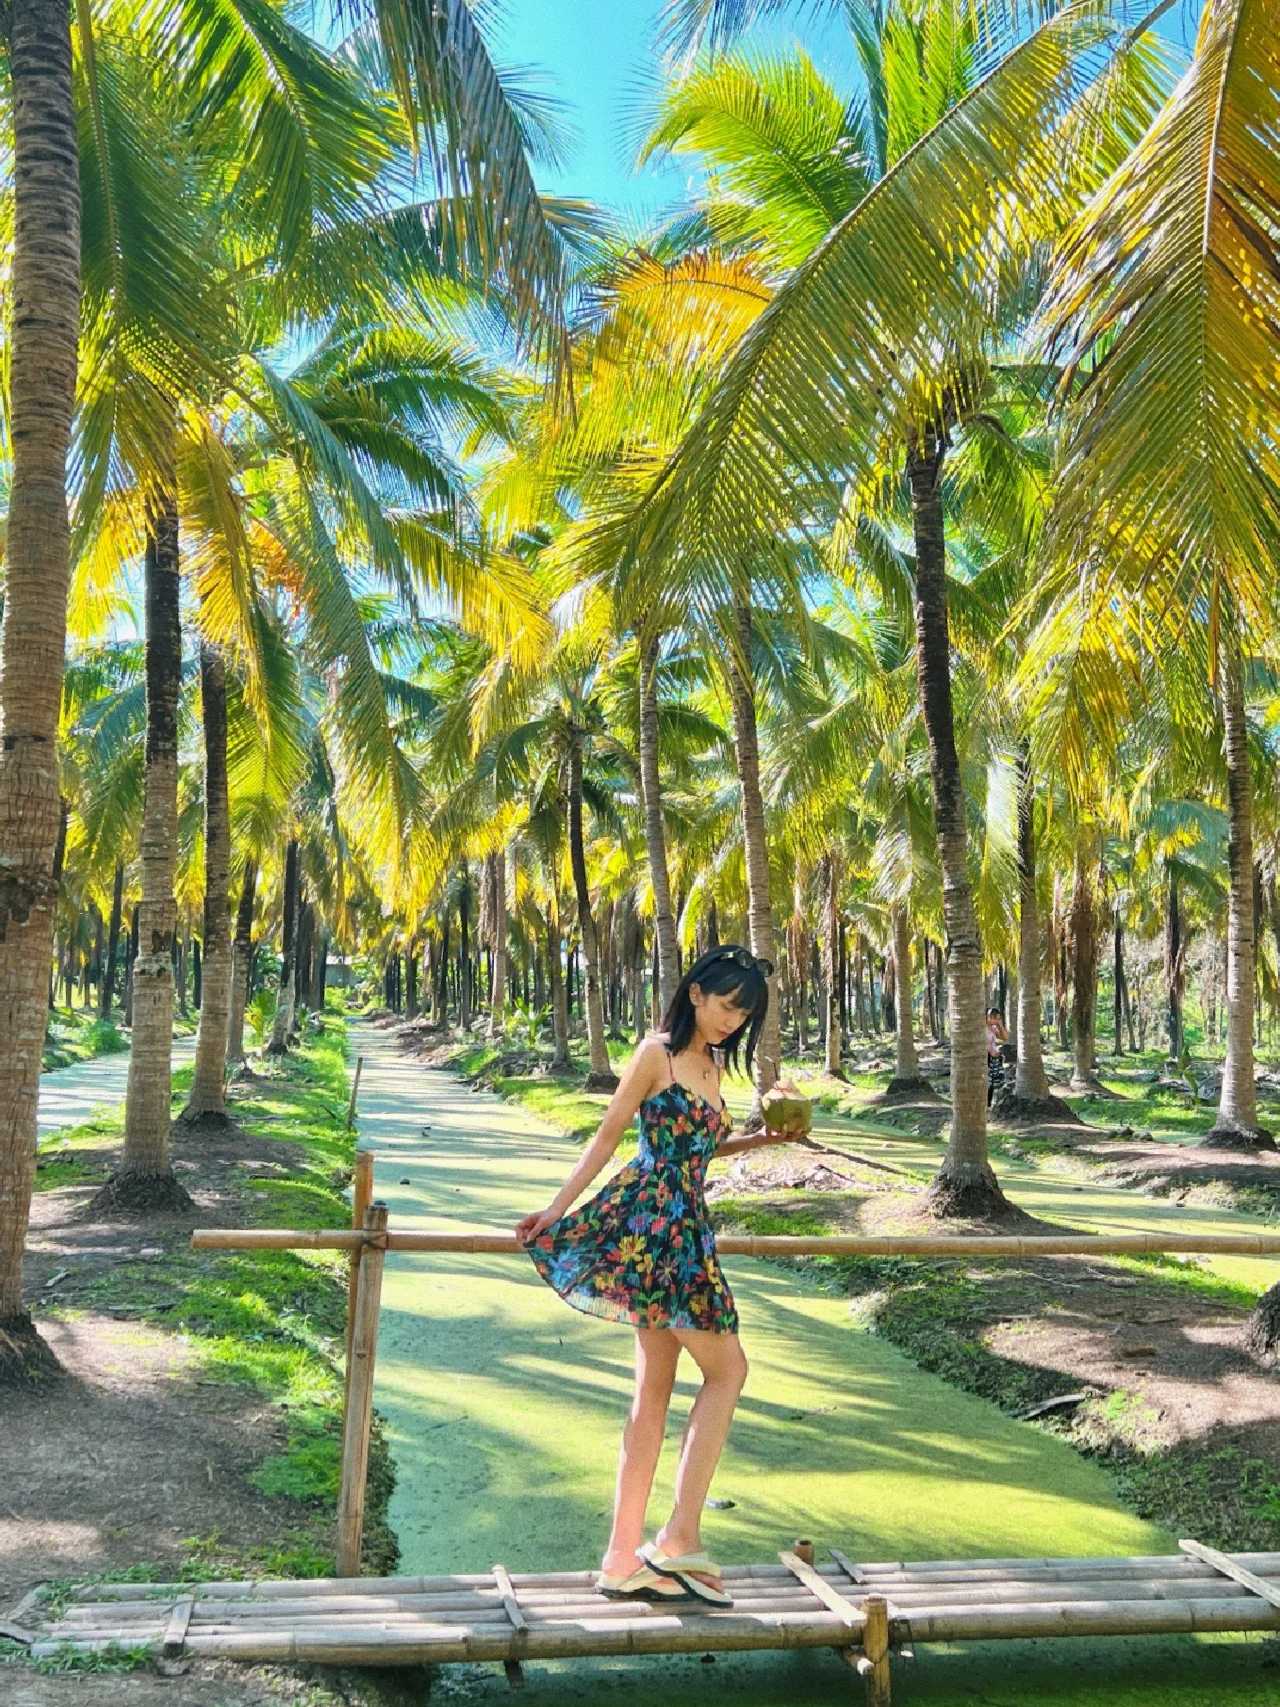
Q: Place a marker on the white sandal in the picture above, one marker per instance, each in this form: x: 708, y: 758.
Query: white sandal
x: 682, y: 1566
x: 642, y: 1584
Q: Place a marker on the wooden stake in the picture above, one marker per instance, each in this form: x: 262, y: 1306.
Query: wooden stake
x: 875, y: 1649
x: 361, y: 1198
x: 359, y: 1417
x: 355, y: 1086
x: 175, y: 1632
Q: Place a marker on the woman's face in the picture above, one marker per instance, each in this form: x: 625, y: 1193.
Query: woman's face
x: 718, y: 1016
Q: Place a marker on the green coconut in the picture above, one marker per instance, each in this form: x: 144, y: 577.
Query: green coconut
x: 789, y: 1113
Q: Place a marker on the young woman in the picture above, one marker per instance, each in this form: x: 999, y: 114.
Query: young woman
x: 642, y: 1251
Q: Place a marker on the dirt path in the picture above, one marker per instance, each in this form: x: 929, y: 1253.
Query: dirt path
x: 504, y: 1409
x: 69, y: 1095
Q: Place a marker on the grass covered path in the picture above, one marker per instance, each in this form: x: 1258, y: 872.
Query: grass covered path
x: 504, y: 1407
x: 72, y: 1094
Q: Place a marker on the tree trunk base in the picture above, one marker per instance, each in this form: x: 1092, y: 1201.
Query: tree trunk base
x: 967, y: 1194
x: 601, y: 1082
x: 1246, y: 1139
x: 1047, y: 1110
x: 911, y: 1088
x: 1262, y: 1333
x: 132, y: 1192
x: 209, y: 1123
x: 1089, y: 1085
x: 274, y: 1048
x: 25, y: 1359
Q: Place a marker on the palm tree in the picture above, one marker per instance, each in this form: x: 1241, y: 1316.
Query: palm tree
x: 1237, y: 1124
x: 1032, y: 1098
x: 45, y: 294
x: 1182, y: 450
x: 206, y: 1105
x: 738, y: 670
x: 786, y: 415
x: 270, y: 96
x: 145, y: 1180
x: 664, y: 923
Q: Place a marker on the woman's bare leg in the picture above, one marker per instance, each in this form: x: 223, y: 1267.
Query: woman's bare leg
x: 724, y: 1370
x: 657, y: 1352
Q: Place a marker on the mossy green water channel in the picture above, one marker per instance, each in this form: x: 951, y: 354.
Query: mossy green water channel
x: 504, y: 1409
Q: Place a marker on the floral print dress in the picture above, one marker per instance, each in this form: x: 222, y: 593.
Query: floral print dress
x: 642, y: 1250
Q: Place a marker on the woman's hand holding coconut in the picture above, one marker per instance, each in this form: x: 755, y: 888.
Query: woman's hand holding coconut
x: 788, y: 1113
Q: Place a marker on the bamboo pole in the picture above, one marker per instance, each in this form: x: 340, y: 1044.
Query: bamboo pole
x: 616, y: 1633
x: 359, y: 1417
x: 481, y: 1606
x: 355, y: 1087
x: 361, y: 1198
x: 764, y: 1245
x: 1177, y: 1565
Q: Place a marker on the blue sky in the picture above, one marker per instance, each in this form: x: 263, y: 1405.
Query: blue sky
x: 598, y: 59
x: 595, y: 56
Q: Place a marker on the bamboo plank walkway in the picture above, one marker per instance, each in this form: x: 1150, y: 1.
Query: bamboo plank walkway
x: 865, y: 1611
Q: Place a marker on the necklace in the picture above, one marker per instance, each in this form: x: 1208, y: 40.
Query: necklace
x: 706, y: 1069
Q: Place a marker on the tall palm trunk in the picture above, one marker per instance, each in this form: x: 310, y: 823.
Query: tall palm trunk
x: 1032, y: 1098
x: 560, y: 1062
x: 965, y: 1184
x: 43, y: 329
x: 411, y: 965
x: 207, y: 1102
x: 1237, y: 1124
x: 498, y: 989
x: 798, y: 961
x: 305, y: 994
x: 146, y: 1180
x: 287, y: 991
x: 1083, y: 926
x: 832, y: 1029
x: 601, y: 1076
x: 106, y: 990
x: 464, y: 954
x: 655, y: 835
x: 241, y: 956
x: 1174, y: 966
x: 907, y: 1078
x: 746, y: 744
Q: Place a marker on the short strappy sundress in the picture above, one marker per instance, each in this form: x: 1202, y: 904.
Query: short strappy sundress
x: 643, y: 1250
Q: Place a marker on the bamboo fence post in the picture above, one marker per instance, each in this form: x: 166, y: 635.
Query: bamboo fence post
x: 803, y: 1550
x: 355, y: 1086
x: 359, y: 1417
x: 361, y: 1198
x: 875, y: 1648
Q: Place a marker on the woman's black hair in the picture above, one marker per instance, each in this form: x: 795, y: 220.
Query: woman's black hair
x: 728, y: 970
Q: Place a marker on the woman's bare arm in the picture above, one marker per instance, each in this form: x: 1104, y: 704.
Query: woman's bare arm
x: 753, y: 1141
x: 639, y: 1079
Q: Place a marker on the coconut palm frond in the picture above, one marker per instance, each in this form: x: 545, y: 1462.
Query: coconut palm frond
x: 1166, y: 310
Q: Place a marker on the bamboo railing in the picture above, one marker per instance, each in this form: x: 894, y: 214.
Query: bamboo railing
x: 760, y: 1244
x: 369, y: 1238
